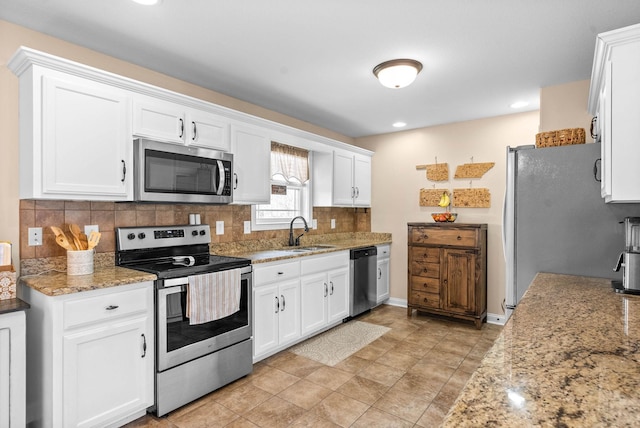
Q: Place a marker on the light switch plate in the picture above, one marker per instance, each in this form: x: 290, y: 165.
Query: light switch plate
x: 333, y: 223
x: 247, y: 226
x: 35, y: 236
x: 219, y: 227
x: 91, y: 228
x: 314, y: 223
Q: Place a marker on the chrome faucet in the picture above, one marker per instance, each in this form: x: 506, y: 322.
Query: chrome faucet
x: 296, y: 241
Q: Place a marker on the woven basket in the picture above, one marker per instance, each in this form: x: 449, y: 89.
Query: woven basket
x: 562, y: 137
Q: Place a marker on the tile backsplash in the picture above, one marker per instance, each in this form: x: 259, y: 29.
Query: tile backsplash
x: 110, y: 215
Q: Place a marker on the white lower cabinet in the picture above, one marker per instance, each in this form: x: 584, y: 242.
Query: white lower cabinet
x: 295, y: 299
x: 91, y: 356
x: 324, y: 291
x: 276, y: 303
x: 382, y: 278
x: 12, y: 369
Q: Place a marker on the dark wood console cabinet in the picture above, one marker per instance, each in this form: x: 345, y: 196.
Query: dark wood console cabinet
x: 448, y: 270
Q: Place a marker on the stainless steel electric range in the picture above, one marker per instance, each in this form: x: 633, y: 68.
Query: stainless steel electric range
x: 191, y: 360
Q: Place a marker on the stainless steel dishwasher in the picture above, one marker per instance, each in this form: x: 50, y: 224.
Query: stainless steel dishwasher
x: 363, y: 280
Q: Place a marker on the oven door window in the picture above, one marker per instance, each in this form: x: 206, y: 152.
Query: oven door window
x: 178, y: 342
x: 177, y: 173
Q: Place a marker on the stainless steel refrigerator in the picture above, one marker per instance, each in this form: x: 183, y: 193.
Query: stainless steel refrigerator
x: 555, y: 219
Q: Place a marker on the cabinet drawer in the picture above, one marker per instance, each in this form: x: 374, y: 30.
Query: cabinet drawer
x: 324, y: 263
x: 433, y: 236
x: 428, y: 300
x: 276, y: 272
x: 424, y: 254
x: 428, y: 270
x: 106, y: 306
x: 429, y: 285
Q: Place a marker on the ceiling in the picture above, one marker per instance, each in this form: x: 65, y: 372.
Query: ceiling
x: 313, y: 60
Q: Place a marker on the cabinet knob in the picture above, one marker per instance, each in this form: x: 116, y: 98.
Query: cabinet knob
x: 459, y: 238
x: 425, y: 300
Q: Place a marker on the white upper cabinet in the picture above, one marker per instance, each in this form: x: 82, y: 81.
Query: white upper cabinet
x: 342, y: 179
x: 74, y: 138
x: 613, y: 97
x: 77, y: 124
x: 175, y: 123
x: 251, y: 148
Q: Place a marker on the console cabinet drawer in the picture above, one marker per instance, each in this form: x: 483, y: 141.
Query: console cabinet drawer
x: 435, y: 236
x: 424, y: 300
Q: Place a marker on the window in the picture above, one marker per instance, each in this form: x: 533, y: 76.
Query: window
x: 290, y: 189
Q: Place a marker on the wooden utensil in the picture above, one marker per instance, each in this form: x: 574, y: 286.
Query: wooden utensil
x: 61, y: 238
x: 84, y: 241
x: 75, y: 232
x: 64, y: 243
x: 94, y: 238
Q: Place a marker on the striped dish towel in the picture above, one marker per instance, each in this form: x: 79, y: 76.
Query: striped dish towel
x: 213, y: 296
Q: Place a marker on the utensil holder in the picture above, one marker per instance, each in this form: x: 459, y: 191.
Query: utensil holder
x: 80, y: 262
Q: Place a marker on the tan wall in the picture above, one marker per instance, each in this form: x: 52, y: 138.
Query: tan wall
x: 13, y: 36
x: 565, y: 106
x: 396, y: 184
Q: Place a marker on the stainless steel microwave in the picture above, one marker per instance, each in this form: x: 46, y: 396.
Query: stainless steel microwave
x: 165, y: 172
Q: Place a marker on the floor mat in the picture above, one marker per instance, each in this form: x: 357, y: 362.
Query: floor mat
x: 335, y: 345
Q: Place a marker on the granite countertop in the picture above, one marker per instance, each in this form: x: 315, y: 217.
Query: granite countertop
x: 59, y: 283
x: 568, y: 357
x: 12, y: 305
x: 266, y: 251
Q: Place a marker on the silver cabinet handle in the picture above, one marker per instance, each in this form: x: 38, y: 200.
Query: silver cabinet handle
x: 144, y: 346
x: 357, y: 192
x: 283, y: 303
x: 277, y: 305
x: 235, y: 181
x: 112, y: 307
x: 326, y: 290
x: 195, y: 131
x: 331, y: 282
x: 181, y: 127
x: 379, y: 273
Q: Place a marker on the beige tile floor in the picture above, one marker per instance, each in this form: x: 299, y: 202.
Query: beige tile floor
x: 409, y: 377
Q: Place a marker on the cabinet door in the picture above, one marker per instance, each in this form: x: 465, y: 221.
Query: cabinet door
x: 289, y: 316
x: 159, y: 120
x: 12, y: 369
x: 207, y: 130
x: 106, y: 373
x: 251, y: 149
x: 266, y: 306
x: 382, y: 280
x: 314, y: 291
x: 338, y: 295
x: 458, y: 282
x: 85, y: 140
x: 343, y: 190
x: 362, y: 180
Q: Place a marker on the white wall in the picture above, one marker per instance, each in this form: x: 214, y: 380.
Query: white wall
x: 396, y: 185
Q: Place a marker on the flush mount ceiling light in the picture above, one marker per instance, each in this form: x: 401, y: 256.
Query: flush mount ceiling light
x: 147, y: 2
x: 397, y: 73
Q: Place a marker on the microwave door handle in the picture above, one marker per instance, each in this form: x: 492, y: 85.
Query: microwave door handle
x: 220, y: 178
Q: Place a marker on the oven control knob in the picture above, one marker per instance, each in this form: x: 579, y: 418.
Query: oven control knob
x: 194, y: 232
x: 141, y: 235
x: 202, y: 232
x: 131, y: 236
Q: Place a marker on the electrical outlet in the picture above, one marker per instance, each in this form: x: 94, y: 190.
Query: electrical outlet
x: 333, y: 223
x: 35, y: 236
x: 219, y: 227
x: 91, y: 228
x: 314, y: 223
x: 247, y: 226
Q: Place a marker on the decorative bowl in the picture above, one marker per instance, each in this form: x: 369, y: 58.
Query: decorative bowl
x: 444, y: 217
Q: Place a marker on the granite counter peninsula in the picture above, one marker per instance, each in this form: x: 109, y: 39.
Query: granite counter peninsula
x: 569, y: 356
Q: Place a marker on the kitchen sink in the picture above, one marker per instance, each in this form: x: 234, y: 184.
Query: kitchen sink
x: 308, y: 248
